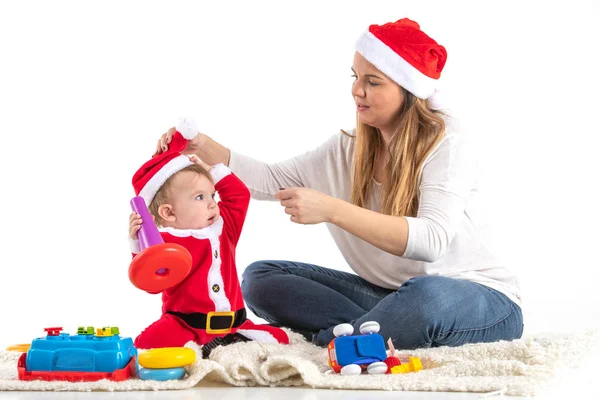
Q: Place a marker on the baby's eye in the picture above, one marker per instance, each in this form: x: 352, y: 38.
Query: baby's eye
x: 213, y: 195
x: 200, y: 197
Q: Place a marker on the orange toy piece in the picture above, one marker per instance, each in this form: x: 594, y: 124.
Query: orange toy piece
x: 413, y: 365
x: 22, y: 347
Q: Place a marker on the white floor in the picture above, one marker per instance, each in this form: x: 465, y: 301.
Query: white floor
x: 213, y: 391
x: 579, y: 383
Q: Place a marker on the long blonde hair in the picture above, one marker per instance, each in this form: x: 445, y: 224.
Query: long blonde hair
x: 418, y: 131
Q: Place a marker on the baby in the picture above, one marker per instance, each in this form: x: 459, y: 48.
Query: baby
x: 179, y: 192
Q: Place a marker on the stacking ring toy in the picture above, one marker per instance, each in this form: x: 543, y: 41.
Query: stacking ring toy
x: 167, y: 357
x: 159, y: 265
x: 23, y: 348
x: 162, y: 374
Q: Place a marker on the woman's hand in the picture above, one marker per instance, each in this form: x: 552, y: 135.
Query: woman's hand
x: 307, y: 206
x: 192, y: 145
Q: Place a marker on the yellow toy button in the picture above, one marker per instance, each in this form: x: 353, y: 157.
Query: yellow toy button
x: 167, y: 357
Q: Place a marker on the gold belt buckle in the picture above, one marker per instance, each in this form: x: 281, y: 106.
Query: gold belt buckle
x: 219, y: 314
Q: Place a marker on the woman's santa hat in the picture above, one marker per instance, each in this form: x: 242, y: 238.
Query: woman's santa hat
x: 403, y: 52
x: 155, y: 172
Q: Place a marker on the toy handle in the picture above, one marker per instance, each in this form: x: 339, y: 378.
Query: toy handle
x: 148, y: 234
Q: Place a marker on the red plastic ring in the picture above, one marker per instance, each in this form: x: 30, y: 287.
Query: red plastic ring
x: 160, y: 267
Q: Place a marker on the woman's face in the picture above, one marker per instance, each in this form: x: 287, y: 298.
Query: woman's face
x: 378, y: 99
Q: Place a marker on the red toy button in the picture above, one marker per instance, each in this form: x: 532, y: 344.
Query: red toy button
x: 55, y: 331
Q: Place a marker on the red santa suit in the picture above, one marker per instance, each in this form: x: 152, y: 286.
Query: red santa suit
x: 208, y: 303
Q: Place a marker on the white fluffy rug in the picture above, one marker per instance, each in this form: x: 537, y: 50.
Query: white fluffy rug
x: 522, y: 367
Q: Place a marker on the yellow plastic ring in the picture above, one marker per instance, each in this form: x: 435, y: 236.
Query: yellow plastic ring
x: 23, y: 348
x: 167, y: 357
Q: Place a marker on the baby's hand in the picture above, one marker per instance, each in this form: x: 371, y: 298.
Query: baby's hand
x: 201, y: 163
x: 135, y: 223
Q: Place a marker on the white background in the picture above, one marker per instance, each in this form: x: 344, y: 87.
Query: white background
x: 86, y: 89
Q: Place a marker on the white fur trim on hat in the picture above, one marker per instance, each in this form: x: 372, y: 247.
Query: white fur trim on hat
x: 438, y: 100
x: 169, y: 169
x: 394, y: 66
x: 187, y: 127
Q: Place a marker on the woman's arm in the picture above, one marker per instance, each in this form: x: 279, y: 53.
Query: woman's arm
x: 212, y: 152
x: 446, y: 183
x: 447, y: 180
x: 385, y: 232
x: 309, y: 169
x: 264, y: 180
x: 309, y: 206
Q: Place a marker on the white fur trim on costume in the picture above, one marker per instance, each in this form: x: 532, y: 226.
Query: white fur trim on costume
x: 219, y: 171
x: 216, y: 278
x: 169, y: 169
x: 394, y: 66
x: 187, y: 127
x: 258, y: 336
x: 210, y: 232
x: 134, y: 245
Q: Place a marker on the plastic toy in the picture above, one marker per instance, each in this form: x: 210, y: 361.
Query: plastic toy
x: 161, y: 374
x: 350, y: 355
x: 165, y: 363
x: 21, y: 347
x: 413, y: 365
x: 167, y: 357
x: 85, y: 356
x: 159, y: 265
x: 397, y: 366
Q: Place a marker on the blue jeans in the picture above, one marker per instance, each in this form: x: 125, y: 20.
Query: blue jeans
x: 426, y: 311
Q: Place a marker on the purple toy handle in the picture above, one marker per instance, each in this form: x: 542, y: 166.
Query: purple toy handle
x: 148, y: 233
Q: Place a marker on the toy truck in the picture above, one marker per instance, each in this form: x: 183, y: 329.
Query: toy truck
x: 350, y: 355
x: 86, y: 356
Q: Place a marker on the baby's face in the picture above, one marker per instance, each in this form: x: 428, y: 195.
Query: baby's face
x: 193, y: 199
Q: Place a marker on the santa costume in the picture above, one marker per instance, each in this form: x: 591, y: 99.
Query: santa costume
x: 208, y: 303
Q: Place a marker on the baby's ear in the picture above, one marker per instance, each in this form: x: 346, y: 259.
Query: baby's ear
x: 166, y: 212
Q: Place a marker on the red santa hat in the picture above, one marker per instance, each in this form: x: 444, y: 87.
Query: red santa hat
x: 155, y: 172
x: 403, y: 52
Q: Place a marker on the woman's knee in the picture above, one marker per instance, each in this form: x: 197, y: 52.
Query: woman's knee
x: 428, y: 297
x: 255, y: 277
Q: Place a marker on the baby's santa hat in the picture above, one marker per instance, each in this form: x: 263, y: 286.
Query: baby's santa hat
x: 405, y: 53
x: 155, y: 172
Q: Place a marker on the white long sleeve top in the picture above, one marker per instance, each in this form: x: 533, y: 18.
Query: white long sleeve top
x: 443, y: 239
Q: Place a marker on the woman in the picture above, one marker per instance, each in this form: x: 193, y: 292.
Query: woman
x: 396, y: 194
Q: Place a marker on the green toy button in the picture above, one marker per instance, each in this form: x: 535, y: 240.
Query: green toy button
x: 81, y: 330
